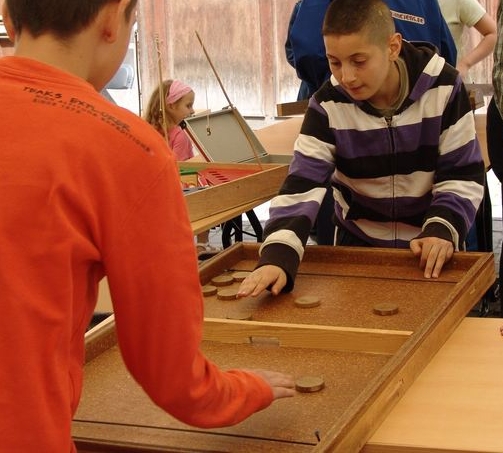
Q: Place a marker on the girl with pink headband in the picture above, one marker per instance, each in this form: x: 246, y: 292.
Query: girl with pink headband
x: 177, y: 105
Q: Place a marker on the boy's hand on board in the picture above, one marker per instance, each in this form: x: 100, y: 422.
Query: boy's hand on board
x: 282, y: 385
x: 268, y: 276
x: 433, y: 253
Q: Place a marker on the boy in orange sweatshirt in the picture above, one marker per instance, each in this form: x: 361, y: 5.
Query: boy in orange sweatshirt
x: 87, y: 189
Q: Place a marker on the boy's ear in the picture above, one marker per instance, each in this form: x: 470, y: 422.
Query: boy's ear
x: 395, y: 45
x: 113, y: 17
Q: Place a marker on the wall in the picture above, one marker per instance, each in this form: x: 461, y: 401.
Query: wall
x: 244, y: 40
x: 6, y: 47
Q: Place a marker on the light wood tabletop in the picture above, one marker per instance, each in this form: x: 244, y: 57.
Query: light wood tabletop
x: 455, y: 404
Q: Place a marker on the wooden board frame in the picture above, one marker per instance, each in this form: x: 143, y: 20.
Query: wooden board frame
x: 253, y: 189
x: 467, y: 277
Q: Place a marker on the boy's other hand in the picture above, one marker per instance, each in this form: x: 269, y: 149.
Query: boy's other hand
x: 283, y: 385
x: 433, y: 252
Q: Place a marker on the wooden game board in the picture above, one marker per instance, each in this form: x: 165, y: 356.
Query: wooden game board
x: 367, y: 361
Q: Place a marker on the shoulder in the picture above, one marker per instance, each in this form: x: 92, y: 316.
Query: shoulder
x: 177, y: 134
x: 426, y: 69
x: 470, y: 12
x: 131, y: 130
x: 417, y: 55
x: 419, y: 8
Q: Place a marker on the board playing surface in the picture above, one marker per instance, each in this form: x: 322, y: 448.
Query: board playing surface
x: 360, y: 355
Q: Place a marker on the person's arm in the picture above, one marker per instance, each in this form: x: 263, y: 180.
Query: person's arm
x: 458, y: 187
x: 289, y: 53
x: 151, y: 264
x: 486, y: 26
x: 293, y: 211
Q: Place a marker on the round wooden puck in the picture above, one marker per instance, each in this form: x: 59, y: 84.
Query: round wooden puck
x: 227, y: 294
x: 385, y: 309
x: 222, y: 280
x: 239, y: 276
x: 307, y: 301
x: 209, y: 290
x: 309, y: 384
x: 240, y: 314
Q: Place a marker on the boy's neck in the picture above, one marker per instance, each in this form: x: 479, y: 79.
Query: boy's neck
x: 47, y: 49
x: 391, y: 92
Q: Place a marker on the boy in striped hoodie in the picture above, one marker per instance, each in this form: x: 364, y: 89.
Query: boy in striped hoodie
x: 394, y: 133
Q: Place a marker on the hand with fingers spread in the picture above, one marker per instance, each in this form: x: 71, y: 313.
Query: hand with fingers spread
x: 283, y: 385
x: 268, y: 276
x: 433, y: 253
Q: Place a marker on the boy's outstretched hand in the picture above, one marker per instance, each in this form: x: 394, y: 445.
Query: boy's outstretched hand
x: 433, y: 252
x: 260, y: 279
x: 283, y: 385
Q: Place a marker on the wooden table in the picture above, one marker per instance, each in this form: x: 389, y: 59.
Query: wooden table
x: 368, y: 361
x: 455, y: 404
x: 279, y: 138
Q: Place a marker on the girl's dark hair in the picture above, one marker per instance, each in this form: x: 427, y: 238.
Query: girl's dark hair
x: 64, y: 18
x: 346, y: 17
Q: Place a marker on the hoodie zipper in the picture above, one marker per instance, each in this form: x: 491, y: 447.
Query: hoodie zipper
x: 389, y: 120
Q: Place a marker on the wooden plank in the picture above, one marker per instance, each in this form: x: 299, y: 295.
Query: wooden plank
x: 486, y: 89
x: 292, y: 108
x: 372, y: 341
x: 204, y: 224
x: 125, y: 439
x: 480, y: 128
x: 257, y: 187
x: 279, y: 138
x: 361, y: 262
x: 100, y: 338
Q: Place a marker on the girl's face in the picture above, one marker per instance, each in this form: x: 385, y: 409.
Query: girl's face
x: 182, y: 108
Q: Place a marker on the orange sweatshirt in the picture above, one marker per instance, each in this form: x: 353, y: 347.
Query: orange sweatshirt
x: 87, y: 189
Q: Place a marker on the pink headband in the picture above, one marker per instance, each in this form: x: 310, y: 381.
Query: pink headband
x: 177, y: 90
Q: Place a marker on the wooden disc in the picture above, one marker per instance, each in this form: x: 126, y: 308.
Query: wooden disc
x: 307, y: 301
x: 222, y: 280
x: 239, y: 276
x: 227, y: 294
x: 209, y: 290
x: 241, y: 314
x: 309, y: 384
x: 386, y: 309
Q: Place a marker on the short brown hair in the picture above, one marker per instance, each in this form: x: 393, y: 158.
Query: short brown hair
x: 346, y: 17
x: 64, y: 18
